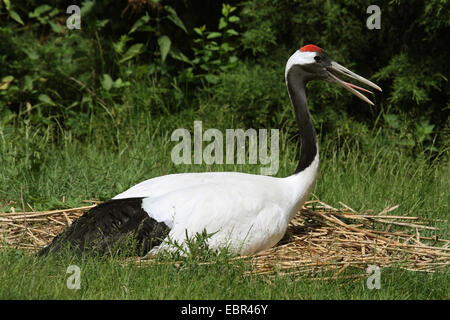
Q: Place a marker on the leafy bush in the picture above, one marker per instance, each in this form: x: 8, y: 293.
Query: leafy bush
x: 254, y: 95
x: 407, y: 56
x: 164, y: 56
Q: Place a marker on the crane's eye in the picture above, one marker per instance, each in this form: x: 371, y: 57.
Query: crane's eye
x: 317, y: 58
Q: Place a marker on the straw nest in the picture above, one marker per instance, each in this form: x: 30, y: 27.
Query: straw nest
x: 319, y: 238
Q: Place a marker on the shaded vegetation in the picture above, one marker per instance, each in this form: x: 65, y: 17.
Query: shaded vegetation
x: 167, y: 56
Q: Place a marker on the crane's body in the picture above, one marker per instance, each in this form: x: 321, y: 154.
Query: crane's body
x: 245, y: 213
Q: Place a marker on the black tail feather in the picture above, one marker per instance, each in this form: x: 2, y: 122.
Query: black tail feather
x: 106, y: 229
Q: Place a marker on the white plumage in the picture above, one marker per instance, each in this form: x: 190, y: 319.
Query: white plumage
x: 248, y: 213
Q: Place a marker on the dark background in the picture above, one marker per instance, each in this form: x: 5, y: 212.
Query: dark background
x: 407, y: 57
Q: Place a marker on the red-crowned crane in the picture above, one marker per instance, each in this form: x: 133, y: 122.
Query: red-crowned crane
x: 244, y: 212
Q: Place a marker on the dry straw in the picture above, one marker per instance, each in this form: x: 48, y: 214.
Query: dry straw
x: 319, y: 238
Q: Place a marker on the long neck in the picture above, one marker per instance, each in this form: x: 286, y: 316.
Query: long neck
x: 308, y: 142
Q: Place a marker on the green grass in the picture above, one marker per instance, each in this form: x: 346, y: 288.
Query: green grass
x: 27, y: 277
x: 371, y: 174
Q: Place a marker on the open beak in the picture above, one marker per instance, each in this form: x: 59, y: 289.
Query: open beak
x: 351, y: 87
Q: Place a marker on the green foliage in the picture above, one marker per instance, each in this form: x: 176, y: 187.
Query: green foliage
x: 407, y: 55
x: 150, y: 27
x: 413, y: 136
x: 172, y: 56
x: 411, y: 81
x: 215, y: 51
x: 254, y: 95
x: 261, y: 19
x: 44, y: 14
x: 194, y: 250
x: 42, y: 89
x: 163, y: 43
x: 11, y: 13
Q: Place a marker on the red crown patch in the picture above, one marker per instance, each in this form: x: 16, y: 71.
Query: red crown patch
x: 310, y: 48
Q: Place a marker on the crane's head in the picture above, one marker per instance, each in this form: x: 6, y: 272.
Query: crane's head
x: 311, y: 62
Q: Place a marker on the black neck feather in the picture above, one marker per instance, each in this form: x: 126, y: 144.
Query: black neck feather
x: 308, y: 141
